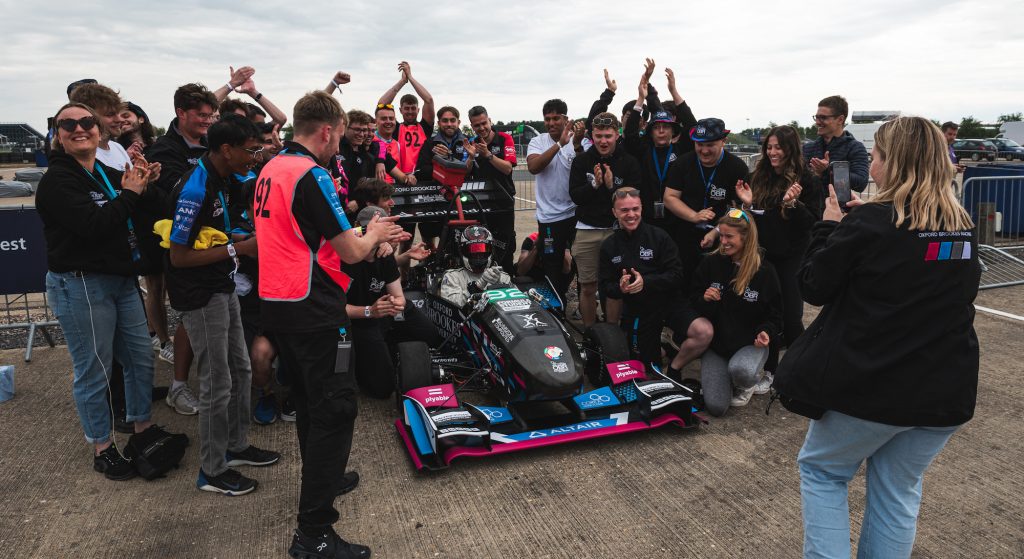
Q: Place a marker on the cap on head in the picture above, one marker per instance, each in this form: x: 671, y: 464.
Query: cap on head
x: 73, y: 85
x: 708, y: 130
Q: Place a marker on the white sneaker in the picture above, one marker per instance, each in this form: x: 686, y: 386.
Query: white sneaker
x: 167, y: 352
x: 183, y: 401
x: 156, y: 343
x: 764, y: 385
x: 741, y: 396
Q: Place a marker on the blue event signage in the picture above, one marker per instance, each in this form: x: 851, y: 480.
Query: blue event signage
x: 22, y: 251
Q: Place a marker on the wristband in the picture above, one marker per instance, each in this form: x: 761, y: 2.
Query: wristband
x: 230, y: 87
x: 336, y: 85
x: 257, y: 97
x: 366, y: 312
x: 231, y: 250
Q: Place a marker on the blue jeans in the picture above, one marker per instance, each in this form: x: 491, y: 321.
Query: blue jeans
x: 897, y: 458
x: 101, y: 316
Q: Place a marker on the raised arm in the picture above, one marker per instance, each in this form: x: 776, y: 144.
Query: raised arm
x: 340, y: 78
x: 249, y: 88
x: 428, y: 100
x: 389, y: 96
x: 235, y: 79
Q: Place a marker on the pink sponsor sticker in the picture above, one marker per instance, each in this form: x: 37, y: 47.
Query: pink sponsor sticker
x: 625, y: 371
x: 432, y: 396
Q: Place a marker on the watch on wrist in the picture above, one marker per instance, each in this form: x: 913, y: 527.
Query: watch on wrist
x: 231, y: 250
x: 366, y: 312
x: 257, y: 97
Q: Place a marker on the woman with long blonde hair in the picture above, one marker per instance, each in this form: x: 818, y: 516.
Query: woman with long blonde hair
x: 889, y: 369
x: 738, y: 291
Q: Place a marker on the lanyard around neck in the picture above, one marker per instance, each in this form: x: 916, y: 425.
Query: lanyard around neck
x: 106, y: 186
x: 662, y: 170
x: 223, y: 208
x: 709, y: 181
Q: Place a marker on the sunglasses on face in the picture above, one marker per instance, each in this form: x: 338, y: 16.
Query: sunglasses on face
x: 69, y: 124
x: 738, y: 214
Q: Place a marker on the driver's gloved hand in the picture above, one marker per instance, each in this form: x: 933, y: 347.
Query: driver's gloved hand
x: 490, y: 277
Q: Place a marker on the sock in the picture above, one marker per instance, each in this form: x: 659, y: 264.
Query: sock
x: 176, y: 384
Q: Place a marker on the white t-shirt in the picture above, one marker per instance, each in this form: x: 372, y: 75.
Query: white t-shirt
x: 115, y: 156
x: 552, y: 184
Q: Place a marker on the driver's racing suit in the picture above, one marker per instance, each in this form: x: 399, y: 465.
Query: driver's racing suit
x: 457, y: 284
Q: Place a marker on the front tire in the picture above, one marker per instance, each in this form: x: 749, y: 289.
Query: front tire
x: 604, y: 343
x: 414, y: 369
x: 975, y: 157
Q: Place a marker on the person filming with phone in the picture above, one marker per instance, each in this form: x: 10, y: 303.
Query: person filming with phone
x: 888, y: 371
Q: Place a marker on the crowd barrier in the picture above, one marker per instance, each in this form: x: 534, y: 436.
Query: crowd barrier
x: 996, y: 204
x: 23, y: 282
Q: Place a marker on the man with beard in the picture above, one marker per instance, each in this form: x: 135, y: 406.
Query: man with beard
x: 495, y: 159
x: 412, y: 135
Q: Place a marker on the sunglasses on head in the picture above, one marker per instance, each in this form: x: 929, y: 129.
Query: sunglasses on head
x: 627, y: 192
x: 606, y: 121
x: 385, y: 106
x: 69, y: 124
x: 738, y: 214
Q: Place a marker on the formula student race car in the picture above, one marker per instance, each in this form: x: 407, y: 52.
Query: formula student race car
x: 510, y: 346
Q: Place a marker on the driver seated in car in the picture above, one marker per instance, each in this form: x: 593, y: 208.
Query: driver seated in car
x: 478, y: 273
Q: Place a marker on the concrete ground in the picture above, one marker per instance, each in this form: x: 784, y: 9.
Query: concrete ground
x: 728, y: 489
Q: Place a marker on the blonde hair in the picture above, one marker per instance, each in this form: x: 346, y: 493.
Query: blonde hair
x: 55, y: 144
x: 750, y: 258
x: 917, y: 176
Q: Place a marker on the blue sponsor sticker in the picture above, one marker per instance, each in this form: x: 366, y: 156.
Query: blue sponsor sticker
x: 575, y: 428
x: 595, y: 399
x: 496, y: 415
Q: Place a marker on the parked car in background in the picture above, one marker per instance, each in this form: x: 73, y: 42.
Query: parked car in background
x: 975, y: 150
x: 1008, y: 149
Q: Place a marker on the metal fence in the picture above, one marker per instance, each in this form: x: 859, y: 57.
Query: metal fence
x: 996, y: 205
x: 28, y: 311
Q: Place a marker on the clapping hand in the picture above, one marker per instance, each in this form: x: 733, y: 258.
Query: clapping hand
x: 712, y: 294
x: 744, y: 193
x: 818, y: 166
x: 762, y: 339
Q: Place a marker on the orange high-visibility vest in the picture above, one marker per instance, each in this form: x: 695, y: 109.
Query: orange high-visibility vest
x: 413, y: 138
x: 285, y: 260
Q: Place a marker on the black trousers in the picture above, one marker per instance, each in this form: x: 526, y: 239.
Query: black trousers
x: 374, y: 340
x: 643, y: 329
x: 325, y: 413
x: 561, y: 235
x: 787, y: 269
x: 502, y: 225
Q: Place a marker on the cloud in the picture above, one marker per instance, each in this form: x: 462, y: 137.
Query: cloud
x: 743, y: 61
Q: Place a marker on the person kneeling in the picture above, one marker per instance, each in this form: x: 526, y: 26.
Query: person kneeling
x: 380, y: 317
x: 739, y: 292
x: 478, y: 272
x: 639, y: 265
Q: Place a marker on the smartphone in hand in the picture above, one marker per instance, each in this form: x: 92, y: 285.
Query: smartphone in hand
x: 841, y: 183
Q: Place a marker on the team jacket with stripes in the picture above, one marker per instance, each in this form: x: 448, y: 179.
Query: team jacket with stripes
x: 895, y: 341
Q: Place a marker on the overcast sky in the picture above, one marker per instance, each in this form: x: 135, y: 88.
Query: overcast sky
x: 736, y: 60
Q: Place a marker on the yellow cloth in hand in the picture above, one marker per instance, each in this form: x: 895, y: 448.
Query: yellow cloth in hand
x: 208, y: 236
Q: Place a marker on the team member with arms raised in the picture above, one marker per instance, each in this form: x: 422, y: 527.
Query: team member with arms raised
x: 302, y: 231
x: 412, y: 135
x: 594, y: 177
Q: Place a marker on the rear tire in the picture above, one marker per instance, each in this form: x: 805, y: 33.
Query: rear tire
x: 414, y: 369
x: 991, y: 158
x: 604, y: 344
x: 975, y: 157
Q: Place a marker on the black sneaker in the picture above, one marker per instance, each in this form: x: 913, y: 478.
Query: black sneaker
x: 326, y: 545
x: 229, y: 483
x: 287, y: 410
x: 111, y: 464
x: 349, y: 481
x: 252, y: 456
